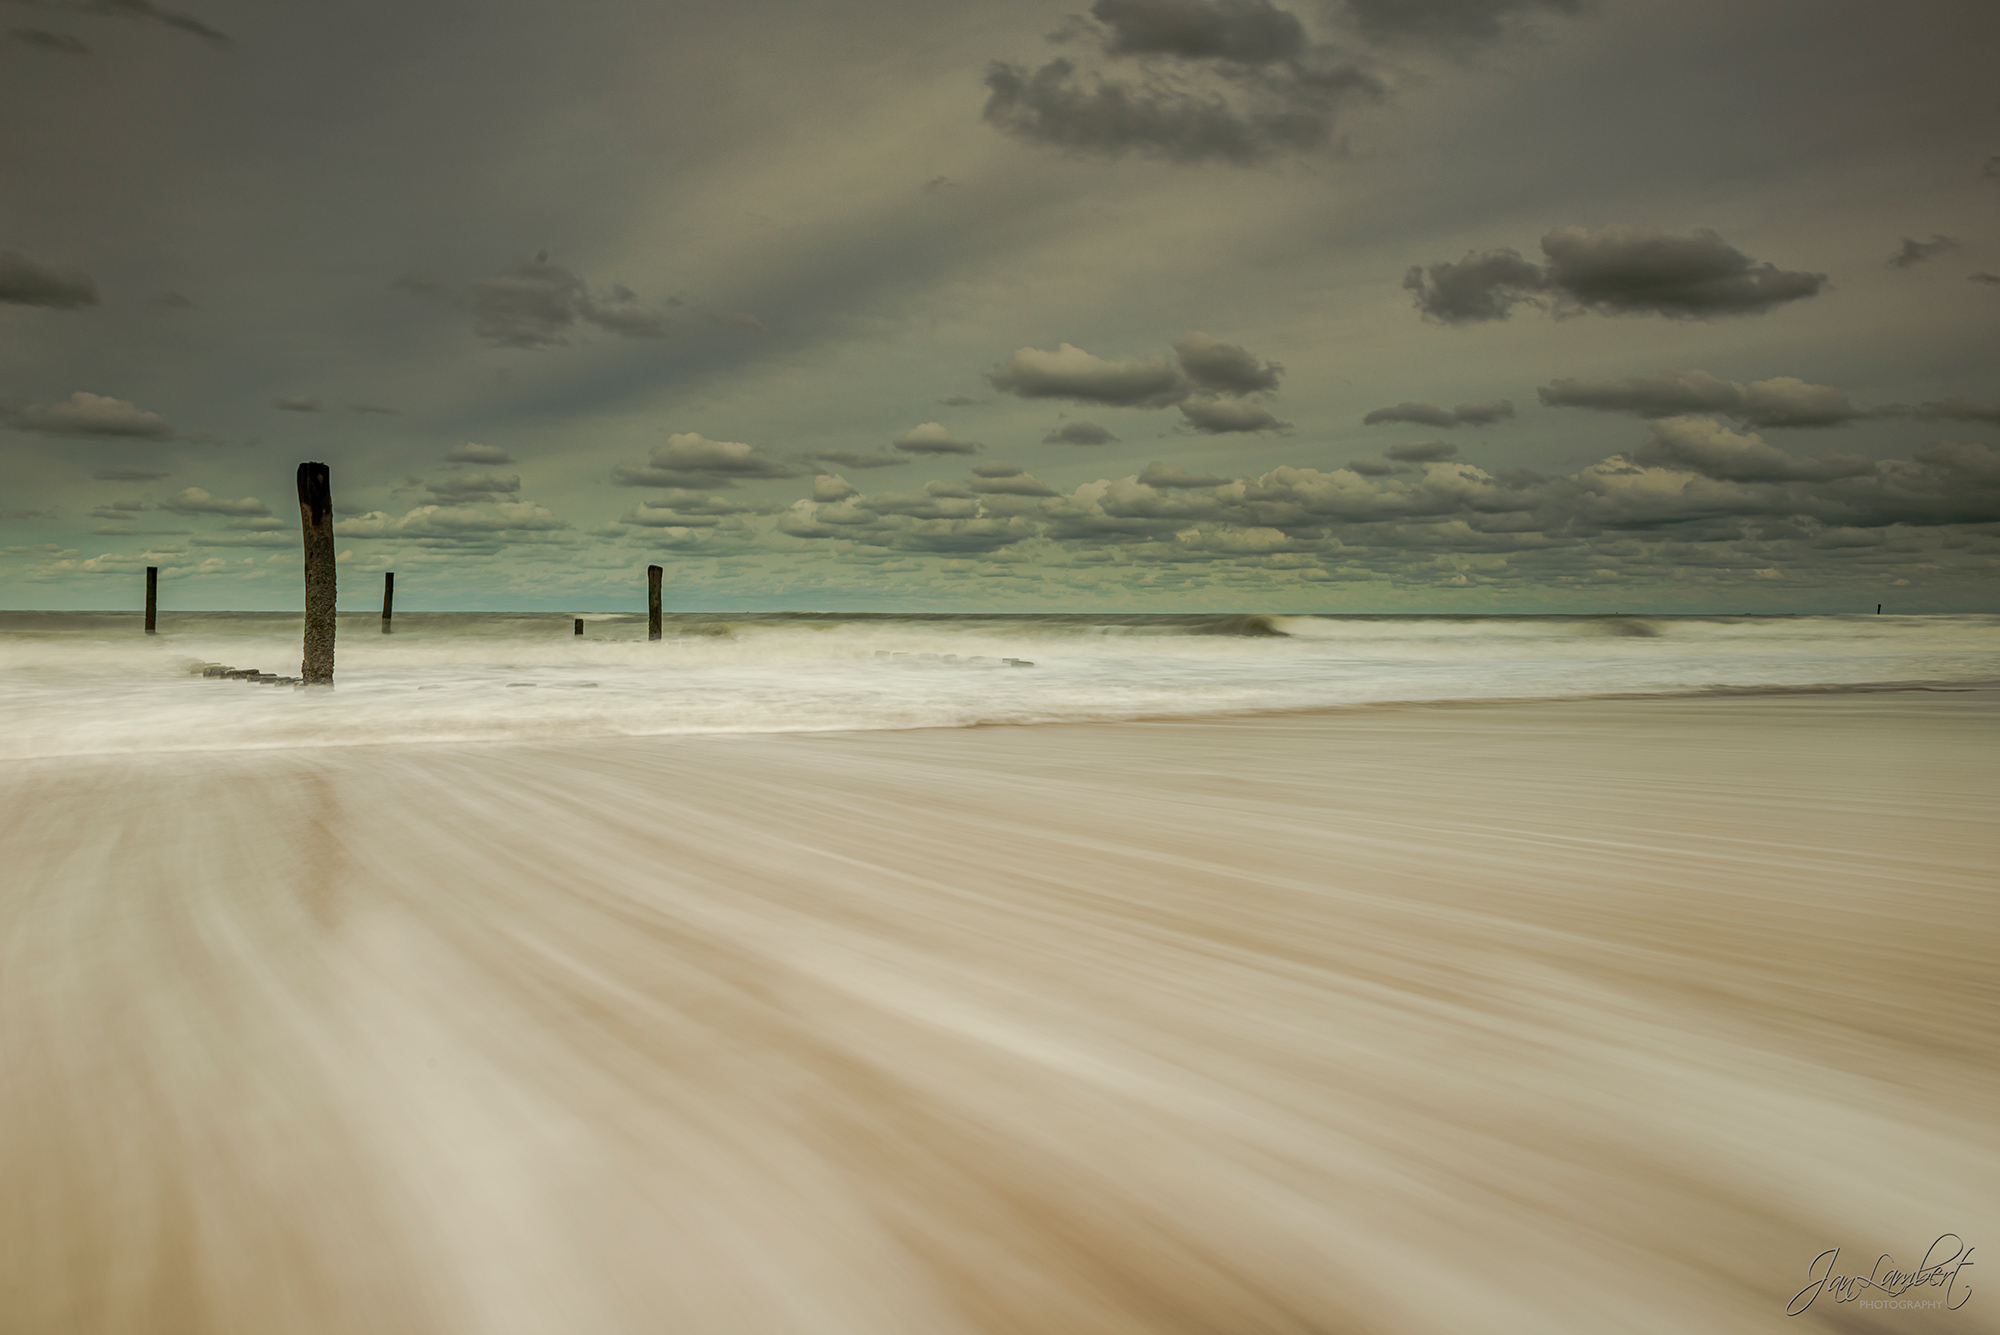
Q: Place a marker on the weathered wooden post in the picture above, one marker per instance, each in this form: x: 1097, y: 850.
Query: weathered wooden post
x: 153, y: 597
x: 579, y: 625
x: 316, y: 518
x: 653, y: 574
x: 388, y: 598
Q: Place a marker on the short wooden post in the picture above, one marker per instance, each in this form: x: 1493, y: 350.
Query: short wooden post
x: 388, y: 598
x: 153, y: 597
x: 579, y: 625
x: 653, y: 574
x: 316, y: 518
x: 1878, y: 612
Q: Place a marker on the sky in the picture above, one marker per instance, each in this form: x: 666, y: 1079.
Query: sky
x: 1330, y: 305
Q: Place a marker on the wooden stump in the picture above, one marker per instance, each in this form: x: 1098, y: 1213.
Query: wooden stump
x: 153, y: 597
x: 388, y: 598
x: 653, y: 574
x: 316, y: 517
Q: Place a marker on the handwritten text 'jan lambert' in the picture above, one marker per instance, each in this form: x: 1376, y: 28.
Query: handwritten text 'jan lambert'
x: 1941, y: 1264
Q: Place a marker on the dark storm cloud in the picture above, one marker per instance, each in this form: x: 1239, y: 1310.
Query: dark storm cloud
x: 1079, y: 433
x: 23, y: 282
x: 48, y: 41
x: 131, y: 9
x: 1174, y: 477
x: 1703, y: 445
x: 1373, y: 468
x: 1007, y: 480
x: 1071, y: 373
x: 538, y: 304
x: 695, y: 462
x: 129, y: 474
x: 470, y: 453
x: 1420, y: 451
x: 1225, y: 367
x: 1215, y: 415
x: 195, y: 501
x: 1780, y: 402
x: 1424, y: 414
x: 1983, y: 277
x: 87, y: 414
x: 1055, y: 106
x: 1249, y: 32
x: 1916, y: 252
x: 1450, y: 23
x: 933, y: 438
x: 1957, y: 409
x: 1615, y: 270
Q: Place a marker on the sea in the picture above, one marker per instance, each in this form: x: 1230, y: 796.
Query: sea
x: 82, y: 683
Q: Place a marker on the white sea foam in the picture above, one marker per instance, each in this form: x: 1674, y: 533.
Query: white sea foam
x: 80, y: 683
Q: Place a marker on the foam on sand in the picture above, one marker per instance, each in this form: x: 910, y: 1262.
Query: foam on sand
x: 1581, y: 1016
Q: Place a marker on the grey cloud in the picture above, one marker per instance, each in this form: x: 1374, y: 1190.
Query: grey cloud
x: 469, y: 452
x: 957, y: 401
x: 1079, y: 433
x: 1423, y: 414
x: 1783, y: 401
x: 1249, y: 32
x: 49, y: 41
x: 1991, y: 171
x: 1916, y: 252
x: 830, y: 487
x: 1450, y: 23
x: 1373, y: 468
x: 933, y: 438
x: 129, y: 474
x: 1071, y: 373
x: 57, y: 287
x: 1705, y: 446
x: 693, y: 461
x: 299, y: 403
x: 173, y: 301
x: 1007, y: 480
x: 1174, y: 477
x: 382, y: 411
x: 1224, y: 367
x: 1957, y: 409
x: 454, y: 488
x: 1983, y: 277
x: 1216, y: 416
x: 453, y: 525
x: 195, y: 501
x: 742, y: 321
x: 537, y: 304
x: 87, y: 414
x: 264, y: 538
x: 854, y: 459
x: 1054, y: 106
x: 1421, y: 451
x: 1615, y: 270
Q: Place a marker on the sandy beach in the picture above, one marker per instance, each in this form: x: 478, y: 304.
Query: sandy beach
x: 1566, y: 1016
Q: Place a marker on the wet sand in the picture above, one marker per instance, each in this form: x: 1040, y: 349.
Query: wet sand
x: 1584, y: 1016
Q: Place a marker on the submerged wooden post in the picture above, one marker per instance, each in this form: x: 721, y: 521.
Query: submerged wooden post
x: 316, y: 518
x: 1878, y: 612
x: 388, y: 598
x: 579, y: 625
x: 153, y: 597
x: 653, y: 574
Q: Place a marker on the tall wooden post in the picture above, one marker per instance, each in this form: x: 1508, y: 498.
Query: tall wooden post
x: 653, y: 574
x: 579, y: 625
x: 316, y: 518
x: 388, y: 598
x: 153, y: 598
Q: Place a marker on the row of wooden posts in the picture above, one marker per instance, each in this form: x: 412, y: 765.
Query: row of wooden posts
x: 316, y: 518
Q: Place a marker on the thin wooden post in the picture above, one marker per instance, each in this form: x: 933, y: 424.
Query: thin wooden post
x: 1878, y: 611
x: 653, y: 574
x: 153, y: 597
x: 579, y: 625
x: 388, y: 598
x: 316, y: 518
